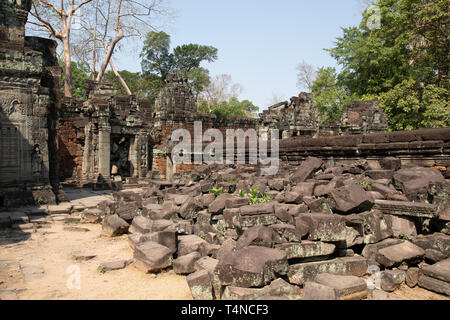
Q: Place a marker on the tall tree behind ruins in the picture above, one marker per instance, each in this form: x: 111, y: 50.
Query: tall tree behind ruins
x: 101, y: 25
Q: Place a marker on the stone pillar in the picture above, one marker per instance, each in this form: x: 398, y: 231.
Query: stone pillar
x: 134, y: 156
x: 104, y: 150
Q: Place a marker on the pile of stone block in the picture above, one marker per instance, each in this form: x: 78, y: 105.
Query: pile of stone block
x: 319, y: 231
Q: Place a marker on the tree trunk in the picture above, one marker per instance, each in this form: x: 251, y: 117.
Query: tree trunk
x: 122, y: 82
x: 68, y: 83
x: 109, y: 53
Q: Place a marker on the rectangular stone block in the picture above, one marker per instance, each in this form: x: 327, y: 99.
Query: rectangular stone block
x: 406, y: 208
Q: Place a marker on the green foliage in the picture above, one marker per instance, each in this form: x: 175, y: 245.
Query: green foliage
x: 158, y: 61
x: 404, y: 237
x: 404, y: 63
x: 80, y: 73
x: 329, y: 95
x: 102, y: 270
x: 230, y: 109
x: 232, y: 181
x: 217, y: 192
x: 254, y: 196
x: 365, y: 185
x: 39, y: 200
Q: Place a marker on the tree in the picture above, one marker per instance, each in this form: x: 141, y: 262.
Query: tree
x: 57, y: 20
x: 404, y: 60
x: 221, y: 88
x: 306, y: 76
x: 230, y: 109
x: 139, y: 85
x: 158, y: 60
x: 80, y: 73
x: 329, y: 96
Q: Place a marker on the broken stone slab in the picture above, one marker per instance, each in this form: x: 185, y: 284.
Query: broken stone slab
x: 437, y: 241
x: 351, y: 198
x: 321, y: 227
x: 403, y: 226
x: 256, y: 236
x: 370, y: 251
x: 251, y: 267
x: 246, y: 222
x: 316, y: 291
x: 141, y: 224
x: 434, y: 255
x: 307, y: 250
x: 192, y: 243
x: 114, y: 265
x: 166, y: 238
x: 435, y: 285
x: 393, y: 256
x: 406, y: 208
x: 306, y: 170
x: 284, y: 233
x: 380, y: 174
x: 235, y: 202
x: 186, y: 264
x: 347, y: 266
x: 288, y: 212
x: 200, y: 285
x: 92, y: 215
x: 278, y: 288
x: 127, y: 210
x: 152, y: 211
x: 257, y: 209
x: 391, y: 280
x: 440, y: 270
x: 114, y: 226
x: 373, y: 226
x: 152, y: 257
x: 346, y: 287
x: 218, y: 205
x: 189, y: 209
x: 293, y: 197
x: 415, y: 181
x: 412, y: 276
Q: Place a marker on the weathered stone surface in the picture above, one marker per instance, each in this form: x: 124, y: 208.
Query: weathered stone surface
x: 235, y: 202
x: 370, y: 251
x: 437, y: 241
x: 346, y: 287
x: 348, y: 266
x: 293, y: 197
x: 166, y: 238
x: 284, y: 233
x: 114, y: 265
x: 252, y: 267
x: 92, y: 215
x: 248, y: 221
x: 217, y: 206
x: 434, y: 284
x: 192, y: 243
x: 306, y: 169
x: 351, y: 198
x: 415, y: 181
x: 257, y: 209
x: 141, y: 225
x: 152, y: 257
x: 403, y: 226
x: 189, y: 208
x: 412, y: 277
x: 278, y: 288
x: 200, y: 285
x: 440, y: 270
x: 256, y: 236
x: 406, y: 208
x: 391, y: 280
x: 403, y: 252
x: 114, y: 226
x: 316, y: 291
x: 373, y: 226
x: 307, y: 250
x: 185, y: 264
x: 322, y: 227
x: 288, y: 212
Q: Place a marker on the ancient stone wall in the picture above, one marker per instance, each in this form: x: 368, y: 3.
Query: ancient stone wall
x: 29, y: 91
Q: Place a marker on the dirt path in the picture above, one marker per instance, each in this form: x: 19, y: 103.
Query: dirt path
x: 37, y: 268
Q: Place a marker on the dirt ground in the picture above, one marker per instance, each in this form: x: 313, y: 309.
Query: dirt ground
x: 42, y: 264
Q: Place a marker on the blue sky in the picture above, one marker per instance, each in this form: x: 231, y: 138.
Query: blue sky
x: 260, y: 42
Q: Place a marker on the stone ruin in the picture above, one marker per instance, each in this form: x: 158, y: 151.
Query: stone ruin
x: 29, y: 96
x: 300, y: 118
x: 338, y: 207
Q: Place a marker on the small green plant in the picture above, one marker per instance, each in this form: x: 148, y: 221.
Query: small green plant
x: 364, y: 184
x: 404, y: 237
x: 241, y: 194
x: 102, y: 270
x: 39, y: 200
x: 216, y: 192
x: 202, y: 235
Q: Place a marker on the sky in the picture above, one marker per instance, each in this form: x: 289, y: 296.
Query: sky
x: 260, y: 42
